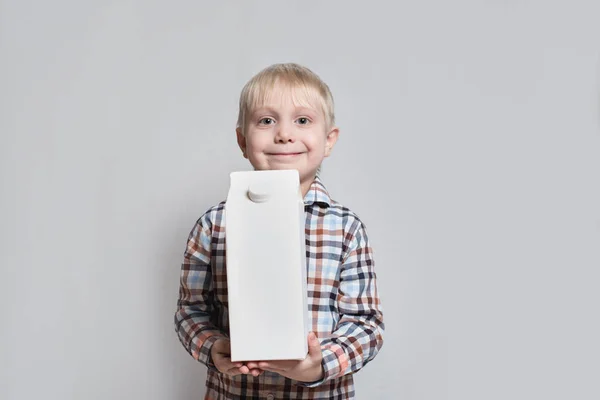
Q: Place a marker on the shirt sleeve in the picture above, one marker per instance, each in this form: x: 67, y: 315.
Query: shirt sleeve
x: 359, y: 333
x: 196, y: 297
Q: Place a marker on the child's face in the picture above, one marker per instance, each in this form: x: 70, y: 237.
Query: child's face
x: 286, y: 134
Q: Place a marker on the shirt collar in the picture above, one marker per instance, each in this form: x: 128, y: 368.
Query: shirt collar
x: 317, y: 194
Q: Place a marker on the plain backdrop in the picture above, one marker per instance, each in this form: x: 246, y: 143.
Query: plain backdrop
x: 469, y: 146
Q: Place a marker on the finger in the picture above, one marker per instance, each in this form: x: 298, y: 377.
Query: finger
x: 252, y: 364
x: 233, y: 371
x: 271, y: 367
x: 279, y: 364
x: 244, y: 369
x: 256, y: 372
x: 314, y: 346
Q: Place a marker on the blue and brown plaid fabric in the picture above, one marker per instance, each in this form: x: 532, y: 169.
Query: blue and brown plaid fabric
x: 343, y: 303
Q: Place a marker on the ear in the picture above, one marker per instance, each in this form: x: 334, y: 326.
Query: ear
x: 331, y: 140
x: 241, y: 141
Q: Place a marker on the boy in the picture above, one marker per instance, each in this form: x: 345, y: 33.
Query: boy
x: 286, y: 121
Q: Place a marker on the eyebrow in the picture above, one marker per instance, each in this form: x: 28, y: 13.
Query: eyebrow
x: 271, y: 110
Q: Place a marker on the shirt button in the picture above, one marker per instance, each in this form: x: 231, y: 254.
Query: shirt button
x: 270, y: 396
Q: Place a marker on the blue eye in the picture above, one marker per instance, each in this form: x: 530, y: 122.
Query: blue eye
x: 266, y: 121
x: 303, y: 120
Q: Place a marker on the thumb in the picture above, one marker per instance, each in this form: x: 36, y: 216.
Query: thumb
x: 314, y: 346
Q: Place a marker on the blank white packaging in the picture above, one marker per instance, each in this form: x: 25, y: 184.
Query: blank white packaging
x: 266, y: 266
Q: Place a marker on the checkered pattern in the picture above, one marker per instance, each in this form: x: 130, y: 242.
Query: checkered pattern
x: 343, y: 303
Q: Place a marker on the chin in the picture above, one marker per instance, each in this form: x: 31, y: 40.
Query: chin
x: 283, y: 166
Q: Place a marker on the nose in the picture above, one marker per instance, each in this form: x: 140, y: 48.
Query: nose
x: 284, y: 134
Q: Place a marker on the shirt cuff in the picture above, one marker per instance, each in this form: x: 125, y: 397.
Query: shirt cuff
x: 203, y: 354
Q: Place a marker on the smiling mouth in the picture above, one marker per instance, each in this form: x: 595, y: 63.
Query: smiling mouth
x: 284, y: 154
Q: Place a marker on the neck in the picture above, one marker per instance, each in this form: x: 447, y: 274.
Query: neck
x: 305, y: 186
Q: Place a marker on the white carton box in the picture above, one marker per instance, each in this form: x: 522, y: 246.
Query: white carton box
x: 266, y: 266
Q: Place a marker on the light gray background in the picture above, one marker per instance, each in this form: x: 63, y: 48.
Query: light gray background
x: 469, y: 145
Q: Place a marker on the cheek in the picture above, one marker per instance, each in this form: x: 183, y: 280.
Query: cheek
x: 256, y: 143
x: 316, y: 145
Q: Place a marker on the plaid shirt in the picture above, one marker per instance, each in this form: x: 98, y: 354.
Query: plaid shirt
x: 343, y: 304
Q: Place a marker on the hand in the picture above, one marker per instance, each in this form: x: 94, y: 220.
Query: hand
x: 307, y: 370
x: 221, y: 356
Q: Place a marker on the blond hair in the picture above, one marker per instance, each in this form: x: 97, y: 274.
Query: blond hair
x: 293, y: 76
